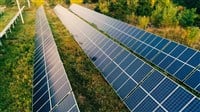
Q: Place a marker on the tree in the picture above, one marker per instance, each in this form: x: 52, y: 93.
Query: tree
x: 189, y: 4
x: 94, y: 1
x: 119, y: 9
x: 156, y: 16
x: 169, y: 16
x: 187, y: 17
x: 132, y: 5
x: 103, y: 6
x: 164, y: 14
x: 67, y: 1
x: 144, y: 8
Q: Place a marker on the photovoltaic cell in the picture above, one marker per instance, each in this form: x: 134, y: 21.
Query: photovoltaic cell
x: 51, y: 88
x: 155, y: 49
x: 147, y: 90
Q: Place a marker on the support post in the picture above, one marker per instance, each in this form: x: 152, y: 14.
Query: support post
x: 29, y: 4
x: 18, y: 5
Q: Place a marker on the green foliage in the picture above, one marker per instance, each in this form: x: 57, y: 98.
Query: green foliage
x: 143, y: 22
x: 67, y: 1
x: 144, y: 8
x: 85, y: 1
x: 8, y: 14
x: 2, y: 2
x: 119, y: 9
x: 16, y: 66
x: 103, y: 6
x: 52, y: 2
x: 90, y: 1
x: 132, y: 5
x: 187, y: 17
x: 164, y: 14
x: 156, y: 17
x: 189, y: 4
x: 169, y: 17
x: 197, y: 21
x: 9, y: 3
x: 163, y: 3
x: 94, y: 1
x: 193, y: 32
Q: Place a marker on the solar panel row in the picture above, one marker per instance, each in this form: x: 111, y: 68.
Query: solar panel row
x: 51, y: 88
x: 138, y: 85
x: 176, y: 59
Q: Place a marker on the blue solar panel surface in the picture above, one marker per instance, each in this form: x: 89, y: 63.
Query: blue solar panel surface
x: 51, y: 88
x: 176, y: 59
x: 138, y: 85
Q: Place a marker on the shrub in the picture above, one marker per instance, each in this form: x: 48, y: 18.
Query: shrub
x: 165, y: 15
x: 103, y: 6
x: 187, y: 17
x: 119, y: 9
x: 193, y: 32
x: 143, y: 22
x: 9, y: 3
x: 67, y: 1
x: 144, y: 8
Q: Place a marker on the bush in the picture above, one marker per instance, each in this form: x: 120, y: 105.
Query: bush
x: 187, y: 17
x: 67, y: 1
x: 9, y: 3
x: 143, y: 22
x: 103, y: 6
x: 97, y: 9
x: 165, y: 15
x: 119, y: 9
x: 169, y: 16
x: 94, y: 1
x: 144, y: 8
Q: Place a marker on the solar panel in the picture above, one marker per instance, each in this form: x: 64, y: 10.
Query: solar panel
x: 138, y: 85
x: 51, y: 88
x: 176, y: 59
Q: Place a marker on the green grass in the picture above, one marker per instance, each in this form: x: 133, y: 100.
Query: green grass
x: 92, y: 92
x: 16, y: 66
x: 8, y: 14
x: 2, y: 2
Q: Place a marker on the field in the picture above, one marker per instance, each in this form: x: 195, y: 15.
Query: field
x: 91, y: 90
x: 16, y: 64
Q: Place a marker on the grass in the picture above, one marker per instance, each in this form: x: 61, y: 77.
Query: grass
x: 91, y: 90
x: 9, y: 13
x: 2, y: 2
x: 16, y: 66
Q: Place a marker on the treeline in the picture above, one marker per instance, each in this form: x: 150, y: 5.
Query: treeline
x: 159, y: 13
x: 189, y: 4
